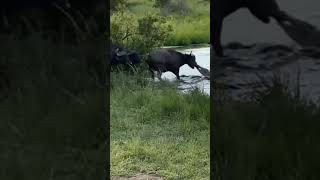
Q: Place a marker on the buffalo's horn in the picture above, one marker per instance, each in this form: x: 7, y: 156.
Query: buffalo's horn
x: 190, y: 52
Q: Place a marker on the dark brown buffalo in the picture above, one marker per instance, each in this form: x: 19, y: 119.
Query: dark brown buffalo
x: 121, y: 56
x: 262, y: 9
x: 163, y: 60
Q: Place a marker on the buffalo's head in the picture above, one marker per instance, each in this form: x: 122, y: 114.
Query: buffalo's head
x: 191, y: 60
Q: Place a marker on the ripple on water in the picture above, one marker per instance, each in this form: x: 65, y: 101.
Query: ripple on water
x: 265, y: 60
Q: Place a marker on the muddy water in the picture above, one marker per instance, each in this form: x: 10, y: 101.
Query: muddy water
x: 273, y: 52
x: 248, y: 65
x: 191, y: 78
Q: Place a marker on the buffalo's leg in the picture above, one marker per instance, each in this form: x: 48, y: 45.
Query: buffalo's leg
x: 159, y: 74
x: 176, y: 72
x: 152, y: 73
x: 217, y: 28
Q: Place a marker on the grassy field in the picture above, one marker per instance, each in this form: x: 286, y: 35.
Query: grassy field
x: 189, y: 27
x: 157, y: 129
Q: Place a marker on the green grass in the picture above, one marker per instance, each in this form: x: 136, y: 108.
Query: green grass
x: 275, y: 138
x: 154, y: 128
x: 190, y: 28
x: 140, y: 7
x: 54, y: 114
x: 188, y: 31
x: 43, y: 77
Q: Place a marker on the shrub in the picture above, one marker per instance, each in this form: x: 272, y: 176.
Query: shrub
x: 117, y: 4
x: 142, y: 34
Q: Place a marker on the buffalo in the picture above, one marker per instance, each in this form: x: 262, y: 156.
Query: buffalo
x: 262, y: 9
x: 121, y: 56
x: 163, y: 60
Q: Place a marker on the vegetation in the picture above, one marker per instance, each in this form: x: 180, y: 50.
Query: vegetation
x: 275, y: 136
x: 52, y: 109
x: 155, y: 128
x: 53, y: 99
x: 187, y: 22
x: 143, y: 34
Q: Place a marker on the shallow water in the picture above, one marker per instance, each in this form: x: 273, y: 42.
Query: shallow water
x: 191, y: 78
x: 240, y: 73
x: 248, y: 65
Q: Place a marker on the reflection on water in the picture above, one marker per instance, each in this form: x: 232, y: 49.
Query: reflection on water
x: 191, y: 78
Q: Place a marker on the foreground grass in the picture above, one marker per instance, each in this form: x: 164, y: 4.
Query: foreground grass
x: 53, y: 110
x: 154, y: 128
x: 192, y: 27
x: 276, y: 137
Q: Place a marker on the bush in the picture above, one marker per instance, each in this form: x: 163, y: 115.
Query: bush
x: 142, y: 34
x: 123, y: 25
x: 117, y: 4
x: 153, y: 31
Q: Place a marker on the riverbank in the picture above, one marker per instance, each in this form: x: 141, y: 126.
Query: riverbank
x: 157, y: 129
